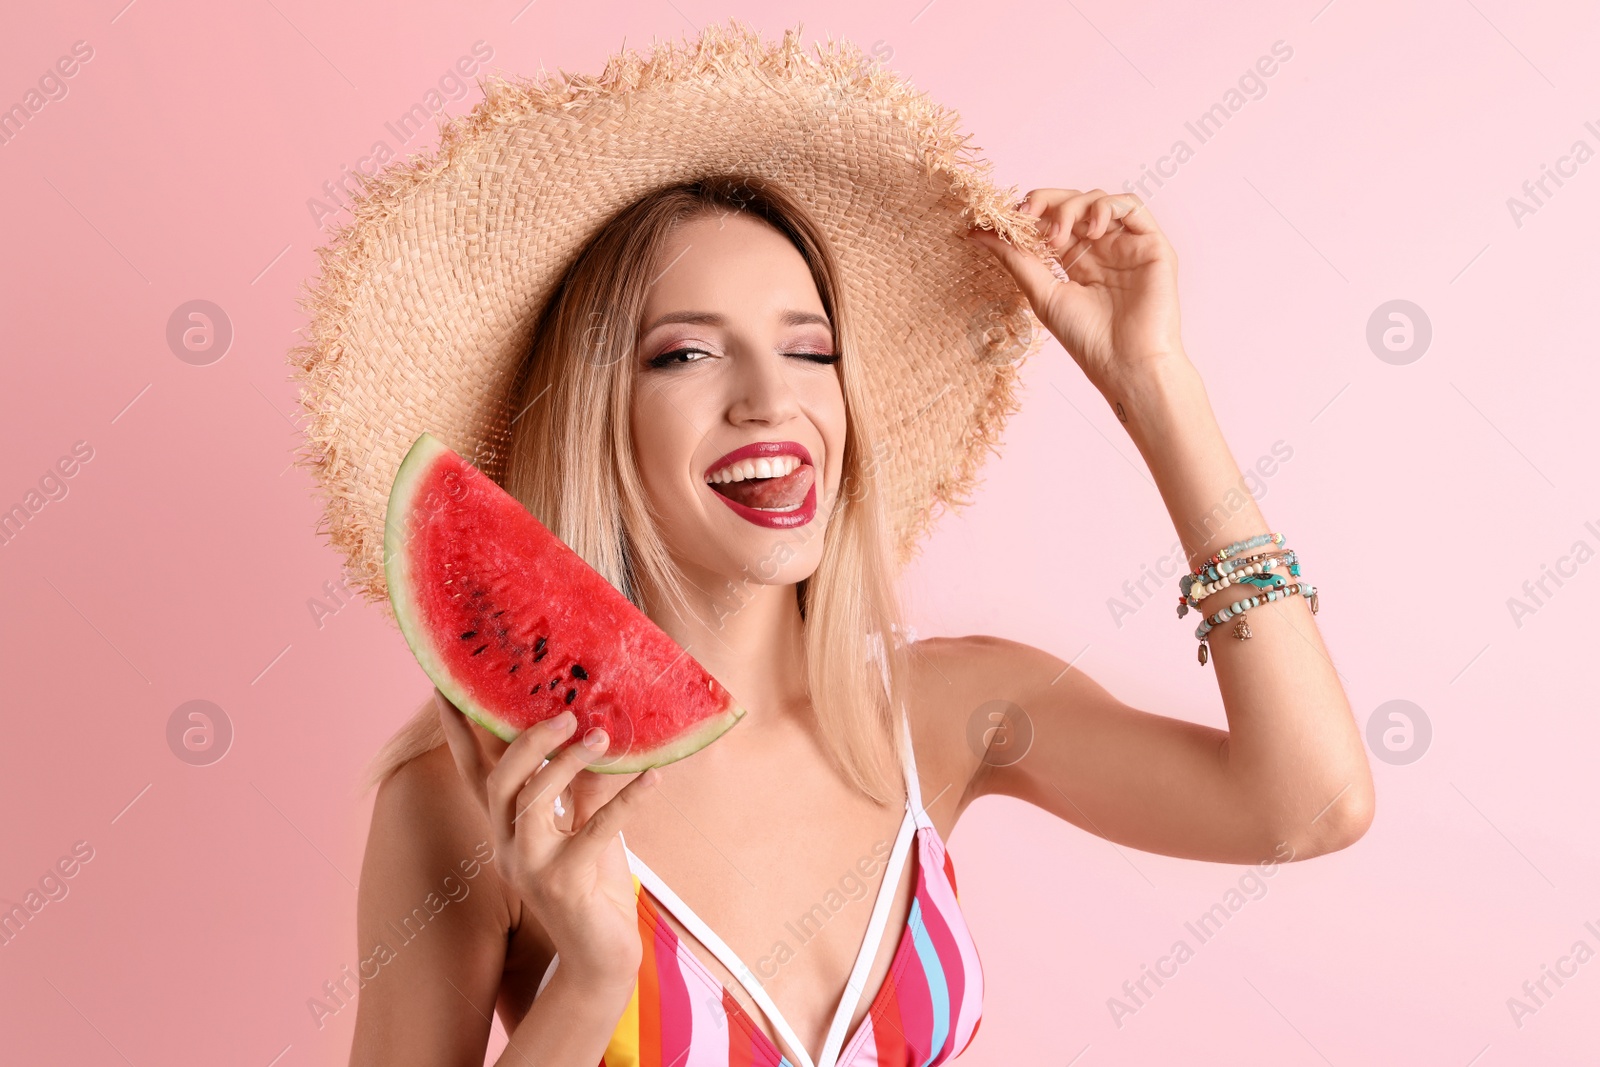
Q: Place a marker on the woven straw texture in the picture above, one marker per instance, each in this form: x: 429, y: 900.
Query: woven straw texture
x: 424, y: 308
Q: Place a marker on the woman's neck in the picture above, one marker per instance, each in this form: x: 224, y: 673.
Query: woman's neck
x: 755, y: 646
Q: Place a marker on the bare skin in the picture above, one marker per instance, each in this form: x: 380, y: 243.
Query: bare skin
x: 1290, y: 773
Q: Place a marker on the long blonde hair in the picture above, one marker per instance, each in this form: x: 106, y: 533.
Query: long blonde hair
x: 571, y: 463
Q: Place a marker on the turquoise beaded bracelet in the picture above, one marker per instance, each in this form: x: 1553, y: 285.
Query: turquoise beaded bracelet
x: 1239, y: 607
x: 1238, y: 546
x: 1254, y: 571
x: 1213, y: 570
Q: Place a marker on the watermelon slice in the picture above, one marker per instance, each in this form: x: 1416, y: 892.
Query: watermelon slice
x: 514, y: 627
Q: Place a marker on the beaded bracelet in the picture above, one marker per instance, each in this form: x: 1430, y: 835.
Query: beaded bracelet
x: 1253, y: 572
x: 1237, y: 547
x: 1264, y: 580
x: 1239, y: 607
x: 1207, y: 574
x: 1239, y: 566
x: 1213, y: 571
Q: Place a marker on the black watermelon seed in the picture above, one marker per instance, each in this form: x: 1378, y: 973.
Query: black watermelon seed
x: 554, y: 682
x: 480, y: 648
x: 570, y: 694
x: 579, y: 673
x: 538, y: 646
x: 469, y: 635
x: 534, y: 690
x: 497, y: 614
x: 539, y: 655
x: 513, y: 669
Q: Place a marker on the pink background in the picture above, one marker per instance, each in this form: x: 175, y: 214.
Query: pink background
x: 1377, y: 165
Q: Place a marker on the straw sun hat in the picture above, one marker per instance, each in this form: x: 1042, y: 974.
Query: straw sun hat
x: 425, y: 307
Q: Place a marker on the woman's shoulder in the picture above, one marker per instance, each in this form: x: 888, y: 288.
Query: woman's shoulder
x: 951, y: 670
x: 951, y: 698
x: 425, y: 823
x: 425, y: 788
x: 960, y: 671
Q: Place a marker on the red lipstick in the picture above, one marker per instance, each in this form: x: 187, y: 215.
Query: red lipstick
x: 803, y: 513
x: 761, y: 450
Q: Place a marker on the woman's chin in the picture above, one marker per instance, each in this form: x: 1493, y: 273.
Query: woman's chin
x: 754, y: 557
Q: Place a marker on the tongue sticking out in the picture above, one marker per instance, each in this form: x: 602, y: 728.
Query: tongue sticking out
x: 770, y: 493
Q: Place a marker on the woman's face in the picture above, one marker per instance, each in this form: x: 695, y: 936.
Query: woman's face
x: 738, y: 417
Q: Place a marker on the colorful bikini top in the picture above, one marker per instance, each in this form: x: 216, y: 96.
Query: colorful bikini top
x: 925, y: 1013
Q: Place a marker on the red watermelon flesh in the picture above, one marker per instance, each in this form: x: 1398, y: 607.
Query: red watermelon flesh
x: 514, y: 627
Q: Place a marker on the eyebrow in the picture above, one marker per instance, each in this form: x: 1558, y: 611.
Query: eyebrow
x: 790, y: 317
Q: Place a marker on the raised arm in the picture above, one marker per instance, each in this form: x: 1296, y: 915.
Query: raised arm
x: 1291, y: 766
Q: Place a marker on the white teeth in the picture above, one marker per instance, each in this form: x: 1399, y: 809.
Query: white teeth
x: 776, y: 467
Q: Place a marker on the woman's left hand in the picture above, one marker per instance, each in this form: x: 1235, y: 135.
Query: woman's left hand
x: 1117, y: 315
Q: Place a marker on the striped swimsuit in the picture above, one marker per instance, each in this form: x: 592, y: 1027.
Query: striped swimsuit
x: 925, y: 1013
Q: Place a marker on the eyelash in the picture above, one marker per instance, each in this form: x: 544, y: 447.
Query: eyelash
x: 665, y: 358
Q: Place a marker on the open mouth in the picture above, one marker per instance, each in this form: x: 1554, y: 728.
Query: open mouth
x: 771, y: 484
x: 778, y: 484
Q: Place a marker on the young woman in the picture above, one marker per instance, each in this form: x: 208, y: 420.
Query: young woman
x: 784, y: 895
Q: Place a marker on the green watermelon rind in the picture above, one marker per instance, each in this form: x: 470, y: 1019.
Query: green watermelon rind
x: 397, y: 572
x: 684, y: 745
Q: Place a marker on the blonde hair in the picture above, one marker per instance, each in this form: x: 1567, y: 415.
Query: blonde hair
x: 571, y: 463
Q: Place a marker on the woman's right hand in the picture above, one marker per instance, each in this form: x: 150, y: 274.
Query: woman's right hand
x: 577, y: 881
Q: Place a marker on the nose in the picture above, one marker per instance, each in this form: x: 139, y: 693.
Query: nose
x: 762, y: 392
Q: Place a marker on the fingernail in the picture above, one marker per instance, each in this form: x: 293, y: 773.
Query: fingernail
x: 563, y: 721
x: 595, y: 738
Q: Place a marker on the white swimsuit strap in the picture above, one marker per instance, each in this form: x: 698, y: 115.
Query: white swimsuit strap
x: 718, y: 948
x: 908, y: 763
x: 855, y: 986
x: 865, y: 957
x: 913, y: 783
